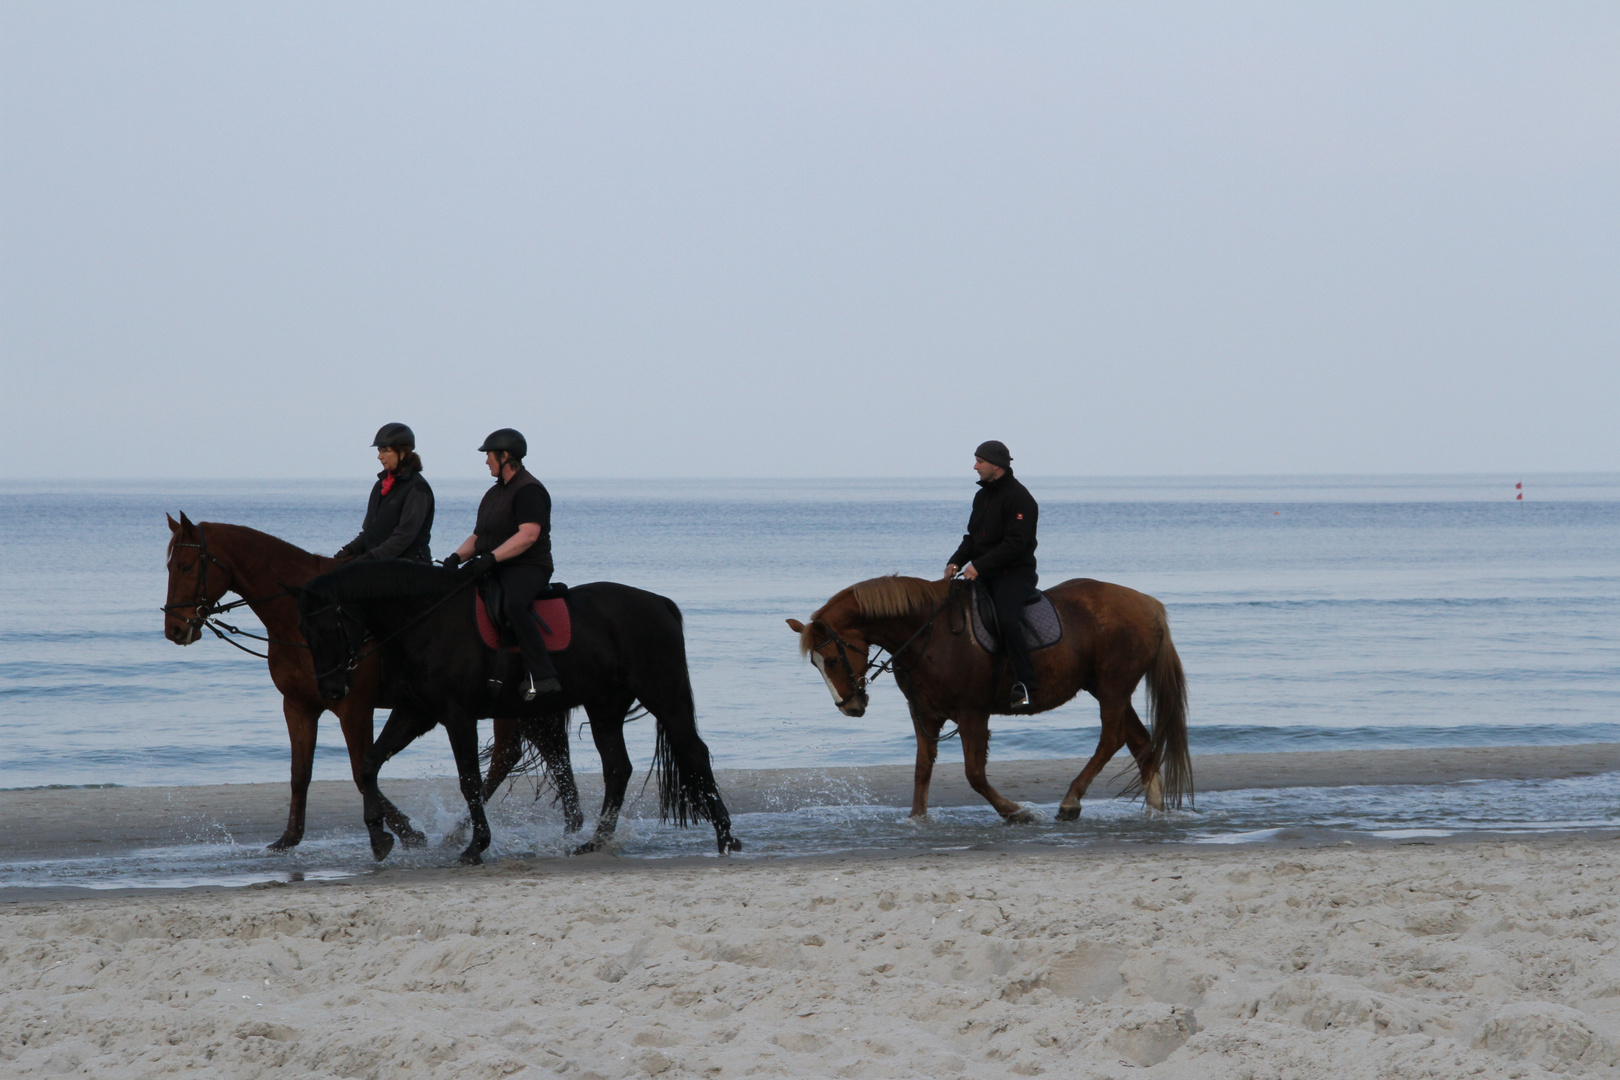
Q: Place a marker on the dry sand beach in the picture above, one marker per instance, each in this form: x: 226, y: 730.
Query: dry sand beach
x: 1484, y: 958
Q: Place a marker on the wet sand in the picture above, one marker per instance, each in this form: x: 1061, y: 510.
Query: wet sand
x: 71, y: 822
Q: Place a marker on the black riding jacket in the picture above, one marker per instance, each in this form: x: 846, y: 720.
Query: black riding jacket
x: 397, y: 525
x: 1001, y: 530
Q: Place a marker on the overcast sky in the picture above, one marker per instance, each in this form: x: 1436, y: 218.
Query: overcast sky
x: 813, y: 239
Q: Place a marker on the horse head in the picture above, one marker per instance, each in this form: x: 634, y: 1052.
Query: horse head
x: 839, y: 650
x: 193, y: 590
x: 334, y: 634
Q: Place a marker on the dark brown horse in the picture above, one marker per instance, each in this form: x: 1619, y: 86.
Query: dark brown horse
x: 206, y: 560
x: 1113, y: 637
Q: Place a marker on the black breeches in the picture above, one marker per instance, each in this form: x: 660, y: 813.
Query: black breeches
x: 519, y: 586
x: 1010, y: 592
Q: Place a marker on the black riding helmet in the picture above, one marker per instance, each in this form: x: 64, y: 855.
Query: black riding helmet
x: 395, y: 435
x: 509, y: 439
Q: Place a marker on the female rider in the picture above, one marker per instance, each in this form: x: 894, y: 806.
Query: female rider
x: 399, y: 517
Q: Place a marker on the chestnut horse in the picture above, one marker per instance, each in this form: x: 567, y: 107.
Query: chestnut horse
x: 206, y: 560
x: 1113, y: 637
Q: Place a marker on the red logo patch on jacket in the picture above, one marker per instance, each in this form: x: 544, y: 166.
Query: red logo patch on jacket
x: 1020, y: 517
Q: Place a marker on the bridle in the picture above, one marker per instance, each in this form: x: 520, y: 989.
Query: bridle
x: 205, y: 612
x: 873, y: 669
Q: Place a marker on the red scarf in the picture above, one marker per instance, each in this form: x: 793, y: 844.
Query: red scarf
x: 388, y: 483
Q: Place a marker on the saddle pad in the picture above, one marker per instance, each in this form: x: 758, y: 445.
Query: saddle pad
x: 555, y: 625
x: 1042, y: 627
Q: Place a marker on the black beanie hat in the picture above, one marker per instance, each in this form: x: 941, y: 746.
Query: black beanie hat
x: 995, y: 452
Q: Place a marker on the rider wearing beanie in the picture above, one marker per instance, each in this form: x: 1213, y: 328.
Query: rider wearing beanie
x: 512, y: 537
x: 999, y: 548
x: 399, y: 517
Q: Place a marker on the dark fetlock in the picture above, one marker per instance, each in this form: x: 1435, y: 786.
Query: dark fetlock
x: 288, y: 841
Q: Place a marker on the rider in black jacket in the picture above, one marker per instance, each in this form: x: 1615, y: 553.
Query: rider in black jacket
x: 399, y: 516
x: 999, y: 547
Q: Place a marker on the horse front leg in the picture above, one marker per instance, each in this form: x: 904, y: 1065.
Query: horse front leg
x: 927, y: 729
x: 403, y: 728
x: 302, y: 721
x: 975, y: 731
x: 463, y: 732
x: 356, y: 720
x: 1108, y: 744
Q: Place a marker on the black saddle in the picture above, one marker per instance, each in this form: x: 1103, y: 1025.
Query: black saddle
x: 1042, y: 627
x: 494, y: 594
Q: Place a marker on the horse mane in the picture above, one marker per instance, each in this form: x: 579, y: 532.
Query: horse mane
x: 381, y: 579
x: 888, y: 597
x: 894, y: 596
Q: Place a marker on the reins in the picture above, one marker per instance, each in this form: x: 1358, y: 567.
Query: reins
x: 874, y: 670
x: 205, y: 613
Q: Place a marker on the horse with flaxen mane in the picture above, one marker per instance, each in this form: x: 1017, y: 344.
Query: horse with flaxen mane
x: 206, y: 560
x: 1112, y: 638
x: 626, y: 645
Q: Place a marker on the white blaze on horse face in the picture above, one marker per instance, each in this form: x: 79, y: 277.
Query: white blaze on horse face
x: 821, y: 665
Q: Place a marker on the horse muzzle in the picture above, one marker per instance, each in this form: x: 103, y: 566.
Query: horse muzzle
x: 183, y: 633
x: 854, y: 705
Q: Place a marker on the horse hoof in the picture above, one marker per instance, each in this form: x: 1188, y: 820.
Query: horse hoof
x: 381, y: 844
x: 413, y: 838
x: 1068, y: 813
x: 286, y: 843
x: 590, y: 847
x: 470, y: 857
x: 728, y: 844
x: 574, y: 824
x: 1019, y: 817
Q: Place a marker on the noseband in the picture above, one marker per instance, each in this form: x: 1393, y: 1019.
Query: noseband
x: 202, y: 607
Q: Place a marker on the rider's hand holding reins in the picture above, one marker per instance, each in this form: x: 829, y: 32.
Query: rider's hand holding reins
x: 479, y: 564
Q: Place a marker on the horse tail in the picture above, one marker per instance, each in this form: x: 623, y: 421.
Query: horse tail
x: 687, y: 791
x: 1167, y: 716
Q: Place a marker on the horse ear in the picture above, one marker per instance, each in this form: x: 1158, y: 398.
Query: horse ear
x: 174, y: 526
x: 798, y: 627
x: 185, y: 522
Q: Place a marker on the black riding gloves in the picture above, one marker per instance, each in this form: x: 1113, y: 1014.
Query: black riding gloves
x: 479, y: 565
x: 451, y: 561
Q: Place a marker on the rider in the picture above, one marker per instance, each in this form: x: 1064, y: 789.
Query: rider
x: 399, y: 517
x: 999, y: 547
x: 513, y: 530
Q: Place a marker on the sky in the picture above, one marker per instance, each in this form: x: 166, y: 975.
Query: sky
x: 760, y: 240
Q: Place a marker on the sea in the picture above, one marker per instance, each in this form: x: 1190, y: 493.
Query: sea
x: 1310, y: 612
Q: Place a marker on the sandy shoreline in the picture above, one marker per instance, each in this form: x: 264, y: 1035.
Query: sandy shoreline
x: 1474, y: 959
x: 70, y: 822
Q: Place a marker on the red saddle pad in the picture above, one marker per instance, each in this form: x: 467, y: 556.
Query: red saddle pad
x: 555, y: 625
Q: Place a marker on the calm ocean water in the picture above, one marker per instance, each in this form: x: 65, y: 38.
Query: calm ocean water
x: 1311, y: 613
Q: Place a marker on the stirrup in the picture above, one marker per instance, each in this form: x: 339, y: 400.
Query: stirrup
x: 535, y: 688
x: 1020, y: 696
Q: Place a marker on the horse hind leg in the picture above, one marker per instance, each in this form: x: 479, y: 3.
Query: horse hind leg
x: 686, y: 782
x: 1108, y: 744
x: 1140, y: 744
x: 463, y: 732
